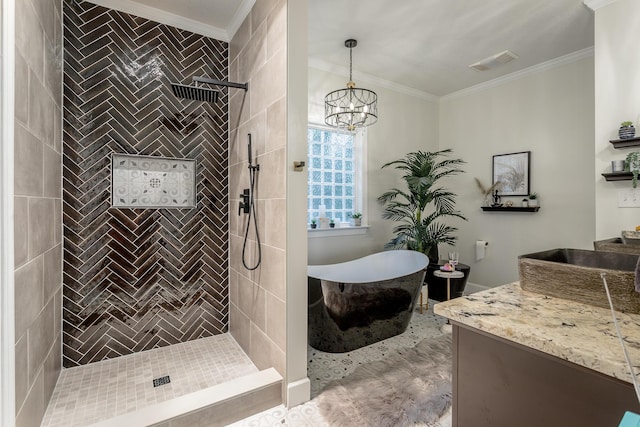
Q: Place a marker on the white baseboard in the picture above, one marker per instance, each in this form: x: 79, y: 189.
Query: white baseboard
x: 298, y: 392
x: 472, y: 288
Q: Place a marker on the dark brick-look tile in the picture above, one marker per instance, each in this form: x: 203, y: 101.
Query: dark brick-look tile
x: 136, y: 279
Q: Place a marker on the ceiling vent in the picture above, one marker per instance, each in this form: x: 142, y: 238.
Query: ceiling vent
x: 494, y: 61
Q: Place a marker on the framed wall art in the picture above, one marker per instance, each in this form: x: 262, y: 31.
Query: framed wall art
x: 512, y: 172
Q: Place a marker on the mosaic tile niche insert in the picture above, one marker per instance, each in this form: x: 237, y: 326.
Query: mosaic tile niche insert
x: 152, y: 182
x: 135, y: 278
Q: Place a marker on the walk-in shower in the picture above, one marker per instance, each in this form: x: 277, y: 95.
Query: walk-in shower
x: 154, y: 284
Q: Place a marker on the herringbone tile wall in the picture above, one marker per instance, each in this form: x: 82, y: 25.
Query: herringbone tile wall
x: 136, y: 279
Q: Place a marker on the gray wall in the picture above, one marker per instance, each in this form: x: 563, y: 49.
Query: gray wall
x: 549, y: 113
x: 38, y: 237
x: 258, y: 55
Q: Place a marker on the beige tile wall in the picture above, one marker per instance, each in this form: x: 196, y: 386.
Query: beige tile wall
x: 38, y: 183
x: 258, y: 55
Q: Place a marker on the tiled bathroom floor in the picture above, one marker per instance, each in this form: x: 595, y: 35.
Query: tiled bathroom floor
x: 322, y: 368
x: 98, y: 391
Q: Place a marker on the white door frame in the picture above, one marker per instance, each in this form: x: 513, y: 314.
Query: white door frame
x: 7, y: 311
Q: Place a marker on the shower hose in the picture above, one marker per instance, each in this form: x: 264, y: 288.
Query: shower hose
x: 252, y: 213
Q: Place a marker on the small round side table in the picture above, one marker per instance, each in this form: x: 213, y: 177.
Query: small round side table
x: 448, y: 275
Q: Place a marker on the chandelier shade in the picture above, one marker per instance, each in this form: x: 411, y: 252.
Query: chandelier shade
x: 352, y: 107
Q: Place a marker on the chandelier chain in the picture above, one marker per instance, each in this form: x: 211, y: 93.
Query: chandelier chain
x: 350, y: 64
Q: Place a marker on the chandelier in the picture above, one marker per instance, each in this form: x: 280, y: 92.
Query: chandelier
x: 352, y: 107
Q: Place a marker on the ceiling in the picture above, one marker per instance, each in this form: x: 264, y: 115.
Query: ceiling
x: 429, y: 44
x: 217, y: 13
x: 219, y: 19
x: 420, y: 44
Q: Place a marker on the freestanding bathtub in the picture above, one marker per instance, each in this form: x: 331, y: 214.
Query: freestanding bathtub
x: 360, y: 302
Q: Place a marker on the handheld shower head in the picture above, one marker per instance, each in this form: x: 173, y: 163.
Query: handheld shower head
x: 249, y: 150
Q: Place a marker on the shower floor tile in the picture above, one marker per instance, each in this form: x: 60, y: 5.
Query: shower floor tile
x: 98, y: 391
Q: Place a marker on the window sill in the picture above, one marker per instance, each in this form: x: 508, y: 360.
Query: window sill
x: 314, y: 233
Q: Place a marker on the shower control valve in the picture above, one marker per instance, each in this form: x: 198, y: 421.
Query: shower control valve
x: 245, y: 205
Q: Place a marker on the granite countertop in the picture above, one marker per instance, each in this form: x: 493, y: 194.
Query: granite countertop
x: 578, y: 333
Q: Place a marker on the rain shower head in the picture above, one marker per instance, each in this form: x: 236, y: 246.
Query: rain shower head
x: 204, y: 94
x: 194, y: 93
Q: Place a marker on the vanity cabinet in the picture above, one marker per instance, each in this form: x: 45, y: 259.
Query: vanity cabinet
x: 525, y: 359
x: 497, y: 383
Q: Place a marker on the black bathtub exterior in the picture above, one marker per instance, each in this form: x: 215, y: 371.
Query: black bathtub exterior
x: 347, y: 316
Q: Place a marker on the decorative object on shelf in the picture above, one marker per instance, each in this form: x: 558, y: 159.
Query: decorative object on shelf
x: 617, y: 165
x: 353, y: 107
x: 332, y: 223
x: 420, y: 230
x: 152, y: 182
x: 314, y: 223
x: 525, y: 203
x: 357, y: 218
x: 487, y: 192
x: 512, y: 171
x: 632, y: 164
x: 496, y: 199
x: 626, y: 130
x: 509, y: 203
x: 533, y: 200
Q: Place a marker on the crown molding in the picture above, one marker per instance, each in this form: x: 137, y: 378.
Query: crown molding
x: 164, y: 17
x: 543, y: 66
x: 321, y: 65
x: 597, y: 4
x: 238, y: 18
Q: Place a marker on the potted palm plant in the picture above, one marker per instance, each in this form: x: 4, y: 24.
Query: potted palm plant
x: 420, y: 206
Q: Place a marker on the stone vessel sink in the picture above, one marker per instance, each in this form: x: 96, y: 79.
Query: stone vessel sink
x: 574, y: 274
x: 616, y: 245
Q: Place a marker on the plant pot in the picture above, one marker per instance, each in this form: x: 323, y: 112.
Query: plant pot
x: 626, y: 132
x: 357, y: 222
x: 314, y: 225
x: 332, y: 225
x: 533, y: 203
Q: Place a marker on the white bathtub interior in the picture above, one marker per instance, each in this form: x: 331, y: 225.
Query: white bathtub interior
x: 372, y: 268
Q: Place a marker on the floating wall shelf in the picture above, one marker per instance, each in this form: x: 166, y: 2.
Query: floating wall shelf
x: 510, y: 209
x: 618, y: 176
x: 624, y: 143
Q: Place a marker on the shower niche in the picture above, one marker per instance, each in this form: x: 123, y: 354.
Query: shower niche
x: 152, y: 182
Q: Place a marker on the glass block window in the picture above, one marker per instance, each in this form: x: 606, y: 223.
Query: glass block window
x: 332, y: 173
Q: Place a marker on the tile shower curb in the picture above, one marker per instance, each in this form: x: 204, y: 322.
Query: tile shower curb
x: 201, y: 400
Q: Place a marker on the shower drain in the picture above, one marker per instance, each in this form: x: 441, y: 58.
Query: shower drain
x: 161, y: 381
